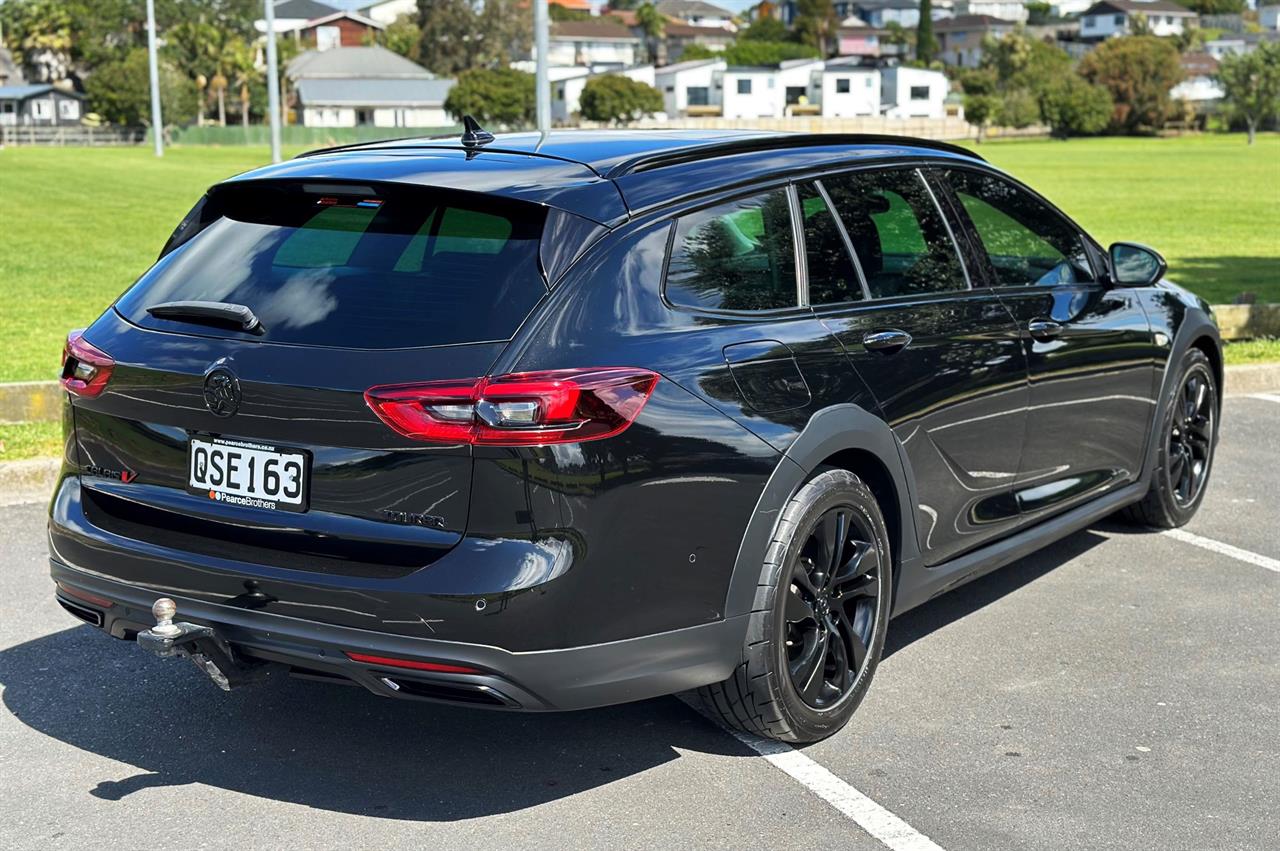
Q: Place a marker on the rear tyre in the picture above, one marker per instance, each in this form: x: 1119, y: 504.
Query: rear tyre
x: 817, y: 629
x: 1187, y: 437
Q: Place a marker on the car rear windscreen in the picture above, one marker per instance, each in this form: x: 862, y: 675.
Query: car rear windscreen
x: 351, y: 266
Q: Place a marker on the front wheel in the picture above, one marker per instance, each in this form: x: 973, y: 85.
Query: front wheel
x: 822, y: 609
x: 1188, y: 435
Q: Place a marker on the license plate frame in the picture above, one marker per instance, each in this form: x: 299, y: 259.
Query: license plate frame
x: 255, y: 494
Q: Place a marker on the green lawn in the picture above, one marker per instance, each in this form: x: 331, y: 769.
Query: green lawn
x: 19, y: 441
x: 77, y: 225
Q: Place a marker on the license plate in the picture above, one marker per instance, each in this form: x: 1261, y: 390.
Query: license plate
x: 253, y: 475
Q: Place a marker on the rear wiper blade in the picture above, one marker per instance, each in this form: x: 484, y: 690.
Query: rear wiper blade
x: 209, y: 312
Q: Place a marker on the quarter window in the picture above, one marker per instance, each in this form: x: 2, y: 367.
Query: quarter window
x: 900, y: 238
x: 735, y: 256
x: 1026, y: 241
x: 832, y: 278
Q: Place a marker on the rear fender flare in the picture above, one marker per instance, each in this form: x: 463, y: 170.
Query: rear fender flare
x: 831, y: 430
x: 1195, y: 324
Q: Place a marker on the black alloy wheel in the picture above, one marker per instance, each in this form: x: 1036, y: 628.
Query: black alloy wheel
x: 1190, y: 439
x: 833, y: 597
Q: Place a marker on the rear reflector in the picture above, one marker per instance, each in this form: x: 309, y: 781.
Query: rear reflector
x: 387, y: 661
x: 85, y: 369
x: 94, y: 599
x: 519, y: 409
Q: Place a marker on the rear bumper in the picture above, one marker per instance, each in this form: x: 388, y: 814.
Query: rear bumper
x: 562, y: 679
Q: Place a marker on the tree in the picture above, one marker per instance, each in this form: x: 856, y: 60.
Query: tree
x: 654, y: 25
x: 1215, y: 7
x: 926, y: 44
x: 1251, y: 85
x: 1073, y: 107
x: 402, y: 36
x: 1038, y: 13
x: 1139, y: 71
x: 765, y: 28
x: 1018, y: 108
x: 1024, y: 62
x: 120, y: 91
x: 458, y: 35
x: 980, y: 100
x: 814, y: 23
x: 493, y: 96
x: 766, y: 52
x: 618, y: 99
x: 697, y: 51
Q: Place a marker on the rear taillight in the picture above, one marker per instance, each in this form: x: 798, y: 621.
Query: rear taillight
x: 520, y: 409
x: 85, y: 369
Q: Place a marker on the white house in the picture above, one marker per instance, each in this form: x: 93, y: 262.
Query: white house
x: 771, y: 92
x: 697, y: 13
x: 691, y: 88
x: 566, y: 95
x: 849, y: 90
x: 354, y: 86
x: 912, y: 92
x: 1110, y: 18
x: 1005, y: 10
x: 1229, y: 43
x: 1198, y: 84
x: 1269, y: 17
x: 602, y: 44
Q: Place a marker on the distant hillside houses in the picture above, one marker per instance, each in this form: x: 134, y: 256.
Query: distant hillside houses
x: 365, y: 86
x: 1111, y: 18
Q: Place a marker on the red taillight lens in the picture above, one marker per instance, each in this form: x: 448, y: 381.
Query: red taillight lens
x: 520, y: 409
x: 85, y: 369
x: 413, y: 664
x: 72, y: 591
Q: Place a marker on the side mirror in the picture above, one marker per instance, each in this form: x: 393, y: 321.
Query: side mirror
x: 1135, y: 265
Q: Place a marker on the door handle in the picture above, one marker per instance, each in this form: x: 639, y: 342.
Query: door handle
x: 887, y: 341
x: 1044, y: 329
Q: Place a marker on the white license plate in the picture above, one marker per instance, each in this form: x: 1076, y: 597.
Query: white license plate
x: 253, y: 475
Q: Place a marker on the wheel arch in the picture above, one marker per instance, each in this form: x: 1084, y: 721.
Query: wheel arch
x: 1199, y: 331
x: 844, y: 436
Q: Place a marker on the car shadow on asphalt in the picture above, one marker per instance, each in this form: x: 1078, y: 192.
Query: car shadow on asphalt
x: 346, y: 750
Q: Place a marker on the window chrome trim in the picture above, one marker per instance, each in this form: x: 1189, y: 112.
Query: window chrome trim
x: 799, y: 247
x: 848, y: 241
x: 946, y: 222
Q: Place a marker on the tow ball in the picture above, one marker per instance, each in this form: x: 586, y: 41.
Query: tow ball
x: 202, y: 645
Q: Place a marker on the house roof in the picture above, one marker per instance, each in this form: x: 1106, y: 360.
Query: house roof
x: 692, y: 9
x: 31, y: 90
x: 596, y: 29
x: 336, y: 14
x: 692, y: 64
x: 355, y: 62
x: 1130, y: 7
x: 306, y: 9
x: 373, y: 92
x: 1199, y: 64
x: 971, y: 22
x: 886, y: 4
x: 683, y: 30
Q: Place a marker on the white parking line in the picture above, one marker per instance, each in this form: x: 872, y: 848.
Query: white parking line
x: 1270, y: 397
x: 891, y: 831
x: 1224, y: 549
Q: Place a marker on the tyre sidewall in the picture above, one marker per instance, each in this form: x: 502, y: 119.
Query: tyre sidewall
x: 1193, y: 361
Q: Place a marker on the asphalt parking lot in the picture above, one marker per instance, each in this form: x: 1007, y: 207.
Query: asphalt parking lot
x: 1118, y: 690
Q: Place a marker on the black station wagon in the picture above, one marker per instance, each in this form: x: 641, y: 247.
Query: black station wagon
x: 557, y: 422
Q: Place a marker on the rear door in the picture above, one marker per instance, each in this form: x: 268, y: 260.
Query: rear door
x: 1089, y: 346
x: 940, y: 358
x: 256, y: 443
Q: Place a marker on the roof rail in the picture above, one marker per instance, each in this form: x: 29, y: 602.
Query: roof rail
x: 692, y: 153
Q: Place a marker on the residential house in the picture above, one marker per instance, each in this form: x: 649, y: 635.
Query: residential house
x: 881, y: 13
x: 678, y: 37
x: 1066, y: 8
x: 692, y: 88
x: 1269, y: 17
x: 1110, y: 18
x: 600, y: 43
x: 1005, y: 10
x: 354, y: 86
x: 697, y: 13
x: 849, y: 90
x: 854, y: 38
x: 960, y: 38
x: 1198, y: 84
x: 566, y: 95
x: 291, y: 14
x: 1229, y: 43
x: 387, y: 11
x: 337, y: 29
x: 772, y: 91
x: 912, y: 92
x: 39, y: 105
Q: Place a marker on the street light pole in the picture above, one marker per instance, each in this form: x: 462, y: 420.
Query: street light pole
x: 273, y: 80
x: 153, y: 69
x: 541, y: 84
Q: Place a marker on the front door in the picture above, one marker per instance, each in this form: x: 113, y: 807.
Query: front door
x: 942, y: 360
x: 1088, y: 346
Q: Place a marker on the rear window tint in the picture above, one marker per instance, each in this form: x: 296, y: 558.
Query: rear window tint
x: 372, y: 268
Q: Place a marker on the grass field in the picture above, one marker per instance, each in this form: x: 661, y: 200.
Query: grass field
x: 78, y: 225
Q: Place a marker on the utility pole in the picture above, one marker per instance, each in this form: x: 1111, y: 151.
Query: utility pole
x: 543, y: 87
x: 273, y: 80
x: 153, y: 68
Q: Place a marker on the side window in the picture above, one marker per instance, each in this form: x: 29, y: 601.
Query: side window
x: 735, y: 256
x: 901, y: 240
x: 832, y: 278
x: 1026, y: 241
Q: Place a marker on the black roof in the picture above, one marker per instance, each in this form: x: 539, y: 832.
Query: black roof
x: 604, y: 175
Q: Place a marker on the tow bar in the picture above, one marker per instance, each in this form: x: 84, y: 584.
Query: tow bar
x: 204, y: 647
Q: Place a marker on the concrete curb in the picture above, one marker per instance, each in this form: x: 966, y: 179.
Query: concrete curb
x: 1251, y: 378
x: 28, y: 481
x: 30, y: 401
